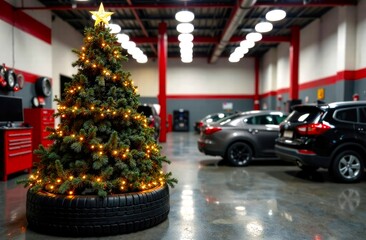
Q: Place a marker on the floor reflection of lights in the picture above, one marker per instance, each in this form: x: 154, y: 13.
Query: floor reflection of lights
x: 241, y: 210
x: 187, y: 213
x: 187, y: 208
x: 255, y: 228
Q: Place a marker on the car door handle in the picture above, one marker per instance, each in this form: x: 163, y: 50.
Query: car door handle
x: 253, y: 131
x: 361, y: 130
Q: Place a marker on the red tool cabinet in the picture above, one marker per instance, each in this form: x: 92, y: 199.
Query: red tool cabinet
x: 16, y: 149
x: 39, y: 119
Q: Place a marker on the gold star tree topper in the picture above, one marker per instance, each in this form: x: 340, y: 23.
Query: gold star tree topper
x: 101, y: 15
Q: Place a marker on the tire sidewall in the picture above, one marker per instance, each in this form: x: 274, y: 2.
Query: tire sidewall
x: 10, y: 74
x: 232, y: 147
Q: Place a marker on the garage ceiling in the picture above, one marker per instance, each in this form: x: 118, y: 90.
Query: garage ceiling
x: 219, y: 26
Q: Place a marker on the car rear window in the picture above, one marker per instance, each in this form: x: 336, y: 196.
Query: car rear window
x: 305, y: 115
x: 229, y: 119
x: 145, y: 110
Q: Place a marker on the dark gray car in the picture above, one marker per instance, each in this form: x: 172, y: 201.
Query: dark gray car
x: 242, y: 137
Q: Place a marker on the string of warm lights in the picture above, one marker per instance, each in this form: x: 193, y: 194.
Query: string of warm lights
x: 54, y: 187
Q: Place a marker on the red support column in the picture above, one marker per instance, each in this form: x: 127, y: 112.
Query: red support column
x: 162, y: 58
x: 294, y: 63
x: 256, y: 84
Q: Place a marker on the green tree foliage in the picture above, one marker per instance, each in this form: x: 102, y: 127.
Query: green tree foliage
x: 102, y: 144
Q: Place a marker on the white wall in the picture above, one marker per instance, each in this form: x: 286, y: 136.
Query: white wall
x: 6, y: 41
x: 200, y: 77
x: 197, y: 78
x: 25, y: 52
x: 361, y: 35
x: 283, y: 66
x: 64, y: 39
x: 346, y: 38
x: 318, y: 48
x: 268, y: 71
x: 145, y: 77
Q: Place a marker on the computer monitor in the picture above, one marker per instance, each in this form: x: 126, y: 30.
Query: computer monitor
x: 11, y: 110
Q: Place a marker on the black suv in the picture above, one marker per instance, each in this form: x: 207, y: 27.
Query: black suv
x: 152, y: 116
x: 331, y: 136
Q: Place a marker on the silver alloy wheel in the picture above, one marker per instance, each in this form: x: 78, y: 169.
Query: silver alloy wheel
x: 349, y: 166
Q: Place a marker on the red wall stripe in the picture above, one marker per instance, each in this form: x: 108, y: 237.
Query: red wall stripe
x: 24, y: 22
x: 193, y: 96
x: 360, y: 74
x: 347, y: 75
x: 320, y: 82
x: 28, y: 77
x: 271, y: 93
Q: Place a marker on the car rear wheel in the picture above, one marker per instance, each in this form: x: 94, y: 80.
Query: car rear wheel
x: 239, y: 154
x: 348, y: 167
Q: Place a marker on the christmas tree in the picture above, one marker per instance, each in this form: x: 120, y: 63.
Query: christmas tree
x: 102, y: 145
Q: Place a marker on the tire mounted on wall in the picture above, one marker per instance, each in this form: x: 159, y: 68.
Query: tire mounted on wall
x: 91, y: 215
x: 43, y: 87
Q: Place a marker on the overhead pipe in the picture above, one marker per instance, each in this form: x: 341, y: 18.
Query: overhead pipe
x: 238, y: 13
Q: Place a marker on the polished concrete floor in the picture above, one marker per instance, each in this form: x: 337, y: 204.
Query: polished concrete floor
x: 266, y: 200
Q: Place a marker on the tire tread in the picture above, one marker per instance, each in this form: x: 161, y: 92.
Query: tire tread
x: 94, y: 216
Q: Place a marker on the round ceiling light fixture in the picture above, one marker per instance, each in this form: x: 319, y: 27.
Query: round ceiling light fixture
x: 184, y: 16
x: 185, y: 37
x: 263, y: 27
x: 142, y: 59
x: 121, y: 38
x: 137, y: 53
x: 254, y: 36
x: 275, y: 15
x: 186, y: 51
x: 128, y: 45
x: 186, y: 60
x: 115, y: 28
x: 185, y: 27
x: 186, y: 45
x: 133, y: 50
x: 241, y: 51
x: 247, y: 44
x: 234, y: 59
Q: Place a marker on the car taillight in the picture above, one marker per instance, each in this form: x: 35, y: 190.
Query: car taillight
x: 211, y: 130
x: 200, y: 124
x: 306, y: 152
x: 313, y: 129
x: 152, y: 123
